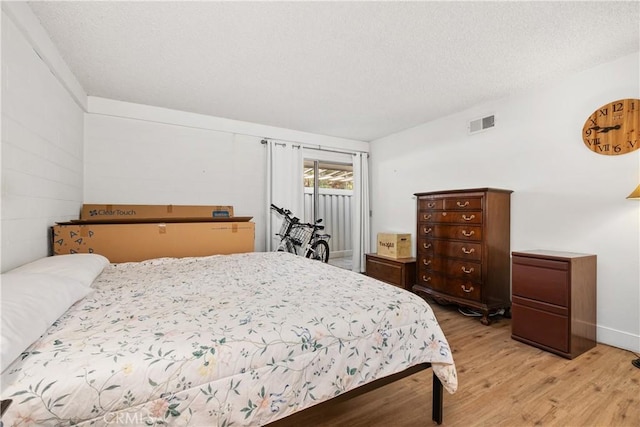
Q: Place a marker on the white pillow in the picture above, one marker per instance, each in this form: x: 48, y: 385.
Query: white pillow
x: 30, y: 303
x: 81, y: 267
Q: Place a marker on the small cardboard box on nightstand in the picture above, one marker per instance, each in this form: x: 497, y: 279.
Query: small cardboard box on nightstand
x: 394, y: 245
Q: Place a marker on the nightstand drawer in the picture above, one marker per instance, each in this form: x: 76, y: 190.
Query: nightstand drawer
x: 400, y: 272
x: 541, y: 327
x: 384, y: 271
x: 541, y: 280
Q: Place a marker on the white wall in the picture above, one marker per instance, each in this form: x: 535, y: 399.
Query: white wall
x: 42, y: 139
x: 149, y: 155
x: 565, y: 198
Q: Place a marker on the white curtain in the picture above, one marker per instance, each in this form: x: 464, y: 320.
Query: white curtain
x: 285, y: 185
x: 361, y: 211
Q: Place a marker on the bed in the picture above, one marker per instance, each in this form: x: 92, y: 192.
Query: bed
x: 243, y: 339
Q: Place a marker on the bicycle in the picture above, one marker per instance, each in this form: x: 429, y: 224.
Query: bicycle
x: 286, y: 244
x: 302, y: 239
x: 317, y: 246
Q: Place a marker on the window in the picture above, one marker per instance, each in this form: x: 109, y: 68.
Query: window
x: 330, y: 175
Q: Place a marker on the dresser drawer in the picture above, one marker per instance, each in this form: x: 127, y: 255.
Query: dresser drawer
x: 452, y: 267
x: 462, y: 250
x: 461, y: 232
x: 542, y: 280
x: 542, y: 327
x: 430, y: 204
x: 457, y: 287
x: 448, y: 217
x: 464, y: 203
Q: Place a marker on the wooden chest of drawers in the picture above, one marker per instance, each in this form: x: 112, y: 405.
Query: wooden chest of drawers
x: 554, y: 301
x: 400, y: 272
x: 463, y: 248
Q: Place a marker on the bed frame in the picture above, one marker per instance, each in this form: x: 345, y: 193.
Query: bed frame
x: 437, y: 391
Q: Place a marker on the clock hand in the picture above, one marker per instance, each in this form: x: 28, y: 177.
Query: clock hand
x: 608, y: 128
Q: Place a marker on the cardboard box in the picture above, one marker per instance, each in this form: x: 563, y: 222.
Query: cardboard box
x: 133, y: 212
x: 138, y: 242
x: 394, y: 245
x: 156, y: 220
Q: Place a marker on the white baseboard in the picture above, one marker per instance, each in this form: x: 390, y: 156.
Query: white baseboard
x: 620, y: 339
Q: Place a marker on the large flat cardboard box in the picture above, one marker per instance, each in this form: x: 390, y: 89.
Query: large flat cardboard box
x: 394, y: 245
x: 134, y: 212
x: 139, y: 242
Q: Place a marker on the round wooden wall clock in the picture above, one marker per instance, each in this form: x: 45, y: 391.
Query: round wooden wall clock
x: 612, y: 129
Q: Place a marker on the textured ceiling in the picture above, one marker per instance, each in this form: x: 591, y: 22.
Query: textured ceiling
x: 359, y: 70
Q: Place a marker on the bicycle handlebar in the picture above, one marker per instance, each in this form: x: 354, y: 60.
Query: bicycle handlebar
x: 285, y: 212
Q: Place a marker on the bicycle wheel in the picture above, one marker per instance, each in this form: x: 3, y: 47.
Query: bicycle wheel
x: 291, y: 248
x: 319, y: 250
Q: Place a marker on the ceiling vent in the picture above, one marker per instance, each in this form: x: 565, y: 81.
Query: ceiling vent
x: 481, y: 124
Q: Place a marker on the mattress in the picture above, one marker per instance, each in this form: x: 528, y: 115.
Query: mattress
x: 241, y: 339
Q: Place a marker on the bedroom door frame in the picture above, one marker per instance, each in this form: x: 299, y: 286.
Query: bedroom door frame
x: 329, y: 158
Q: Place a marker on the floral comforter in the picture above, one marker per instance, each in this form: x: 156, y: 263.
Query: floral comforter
x: 224, y: 340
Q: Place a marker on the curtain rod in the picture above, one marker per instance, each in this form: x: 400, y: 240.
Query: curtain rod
x: 313, y: 146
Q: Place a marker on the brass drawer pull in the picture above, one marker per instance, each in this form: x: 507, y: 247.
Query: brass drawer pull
x: 467, y: 271
x: 425, y: 262
x: 468, y: 251
x: 468, y: 233
x: 431, y: 204
x: 467, y: 290
x: 427, y: 217
x: 468, y: 218
x: 427, y: 231
x: 462, y: 205
x: 426, y: 279
x: 426, y: 245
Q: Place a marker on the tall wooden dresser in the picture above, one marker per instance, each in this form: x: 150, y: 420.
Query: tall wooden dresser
x: 463, y: 248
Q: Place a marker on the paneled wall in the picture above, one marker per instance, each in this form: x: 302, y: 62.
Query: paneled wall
x: 42, y: 149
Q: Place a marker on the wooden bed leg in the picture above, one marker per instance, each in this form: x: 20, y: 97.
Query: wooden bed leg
x: 436, y: 407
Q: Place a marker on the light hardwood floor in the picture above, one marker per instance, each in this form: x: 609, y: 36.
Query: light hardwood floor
x: 502, y: 382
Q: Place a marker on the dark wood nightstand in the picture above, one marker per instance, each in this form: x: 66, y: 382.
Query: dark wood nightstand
x: 554, y: 301
x: 400, y: 272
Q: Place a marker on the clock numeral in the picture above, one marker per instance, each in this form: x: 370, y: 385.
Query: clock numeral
x: 617, y: 148
x: 593, y: 142
x: 618, y: 106
x: 603, y: 112
x: 593, y: 122
x: 604, y: 147
x: 632, y: 143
